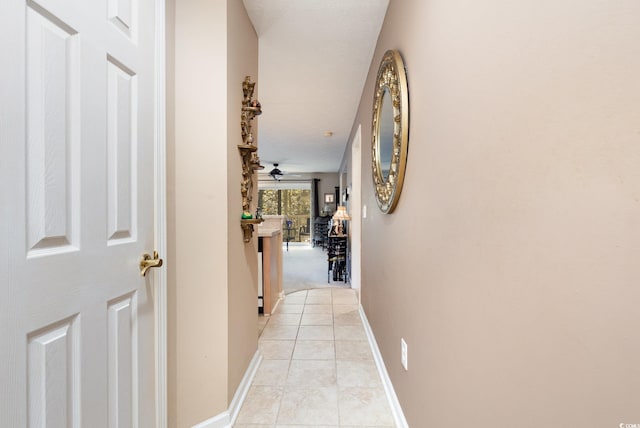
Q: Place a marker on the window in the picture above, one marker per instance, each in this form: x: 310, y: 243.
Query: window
x: 292, y: 200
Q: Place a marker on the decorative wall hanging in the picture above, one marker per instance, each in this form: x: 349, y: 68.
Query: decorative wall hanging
x: 250, y: 161
x: 390, y: 131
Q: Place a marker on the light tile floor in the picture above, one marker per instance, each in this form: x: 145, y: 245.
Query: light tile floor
x: 317, y: 368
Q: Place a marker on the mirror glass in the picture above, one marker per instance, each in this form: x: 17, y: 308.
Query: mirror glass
x: 386, y: 134
x: 390, y: 131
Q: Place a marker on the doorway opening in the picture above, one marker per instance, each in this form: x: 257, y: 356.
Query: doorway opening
x: 292, y: 200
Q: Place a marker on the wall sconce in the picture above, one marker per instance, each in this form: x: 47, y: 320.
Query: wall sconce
x: 340, y: 216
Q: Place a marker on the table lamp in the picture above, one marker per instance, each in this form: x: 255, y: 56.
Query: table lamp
x: 340, y: 216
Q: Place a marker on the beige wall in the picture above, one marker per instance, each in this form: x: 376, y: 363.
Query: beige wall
x: 328, y: 183
x: 510, y: 265
x: 172, y: 393
x: 242, y: 60
x: 212, y: 293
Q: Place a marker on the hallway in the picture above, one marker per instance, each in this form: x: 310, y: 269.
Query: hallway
x: 317, y: 369
x: 305, y: 267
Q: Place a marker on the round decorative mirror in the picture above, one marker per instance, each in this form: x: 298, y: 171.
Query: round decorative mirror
x: 390, y: 130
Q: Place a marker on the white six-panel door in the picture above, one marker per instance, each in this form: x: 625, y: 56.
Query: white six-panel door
x: 77, y: 135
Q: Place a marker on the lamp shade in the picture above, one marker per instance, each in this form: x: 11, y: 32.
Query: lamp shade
x: 341, y: 214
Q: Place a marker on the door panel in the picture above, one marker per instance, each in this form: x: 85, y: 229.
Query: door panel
x: 52, y: 98
x: 123, y: 367
x: 121, y: 149
x: 121, y: 15
x: 78, y: 147
x: 54, y: 365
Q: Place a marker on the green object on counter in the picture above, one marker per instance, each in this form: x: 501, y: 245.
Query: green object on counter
x: 246, y: 215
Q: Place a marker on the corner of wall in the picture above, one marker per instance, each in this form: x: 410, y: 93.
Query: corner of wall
x: 242, y: 262
x: 198, y: 269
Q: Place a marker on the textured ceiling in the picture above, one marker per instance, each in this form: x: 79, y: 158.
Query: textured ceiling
x: 314, y: 56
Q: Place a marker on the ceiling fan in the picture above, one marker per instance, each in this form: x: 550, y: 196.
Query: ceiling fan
x: 276, y: 173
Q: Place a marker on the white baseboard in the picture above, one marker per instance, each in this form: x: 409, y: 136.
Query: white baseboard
x: 243, y: 388
x: 219, y: 421
x: 281, y: 298
x: 396, y: 409
x: 227, y: 418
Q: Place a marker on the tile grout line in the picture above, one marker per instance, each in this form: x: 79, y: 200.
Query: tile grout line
x: 335, y: 360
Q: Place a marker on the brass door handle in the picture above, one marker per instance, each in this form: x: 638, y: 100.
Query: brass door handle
x: 148, y: 262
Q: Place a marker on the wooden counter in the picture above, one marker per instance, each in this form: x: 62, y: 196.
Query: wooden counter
x: 270, y: 241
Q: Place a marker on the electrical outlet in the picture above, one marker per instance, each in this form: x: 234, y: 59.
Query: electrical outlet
x: 404, y: 354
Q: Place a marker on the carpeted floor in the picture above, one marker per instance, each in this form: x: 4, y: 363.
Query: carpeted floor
x: 305, y: 267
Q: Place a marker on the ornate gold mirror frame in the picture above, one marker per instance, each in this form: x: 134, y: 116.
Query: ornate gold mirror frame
x: 389, y: 155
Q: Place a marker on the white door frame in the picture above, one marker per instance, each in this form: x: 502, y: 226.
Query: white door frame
x: 356, y: 210
x: 160, y: 228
